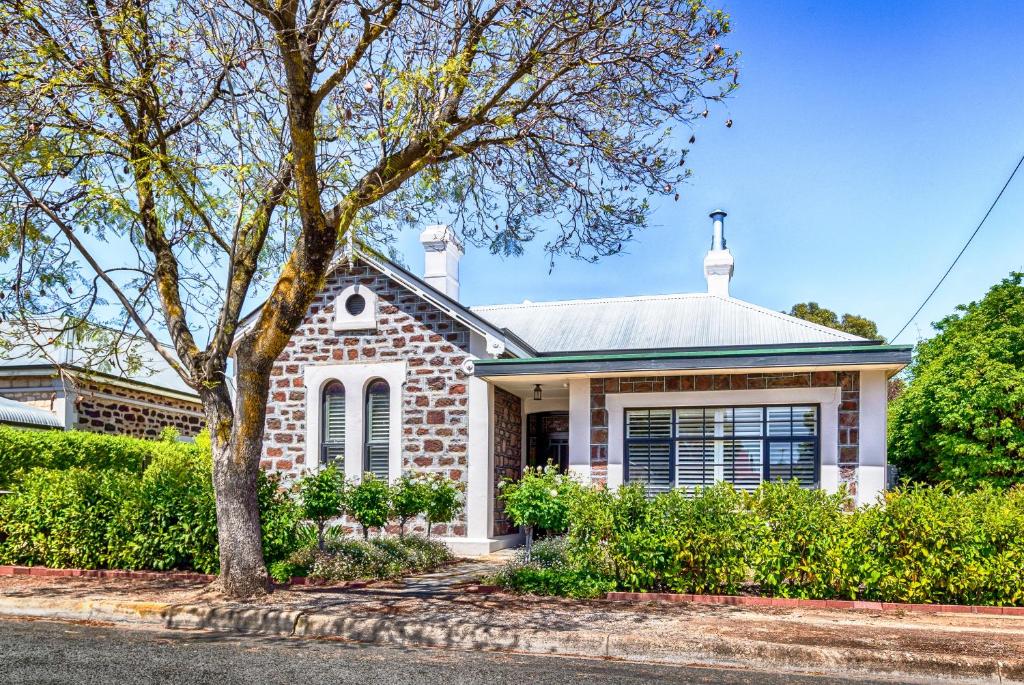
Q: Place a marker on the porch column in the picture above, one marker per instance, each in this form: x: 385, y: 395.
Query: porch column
x: 874, y: 399
x: 579, y: 429
x: 480, y: 469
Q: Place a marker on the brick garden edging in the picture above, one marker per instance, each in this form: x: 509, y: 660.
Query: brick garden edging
x: 782, y: 602
x: 102, y: 573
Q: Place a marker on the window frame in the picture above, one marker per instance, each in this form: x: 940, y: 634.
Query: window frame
x: 765, y: 439
x: 324, y: 425
x: 368, y: 426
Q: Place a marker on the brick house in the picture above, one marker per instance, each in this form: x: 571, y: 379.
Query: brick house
x: 390, y: 373
x: 66, y: 380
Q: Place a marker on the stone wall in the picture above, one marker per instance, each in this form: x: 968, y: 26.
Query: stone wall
x: 508, y: 451
x: 107, y: 408
x: 849, y: 409
x: 434, y: 401
x: 42, y: 392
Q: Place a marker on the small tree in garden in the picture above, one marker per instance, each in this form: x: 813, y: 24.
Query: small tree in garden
x: 368, y: 503
x: 323, y: 498
x: 537, y: 500
x: 443, y: 502
x: 409, y: 498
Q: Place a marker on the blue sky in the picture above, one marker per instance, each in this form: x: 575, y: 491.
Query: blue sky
x: 869, y: 139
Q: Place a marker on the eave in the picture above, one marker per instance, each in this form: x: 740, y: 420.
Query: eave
x: 893, y: 357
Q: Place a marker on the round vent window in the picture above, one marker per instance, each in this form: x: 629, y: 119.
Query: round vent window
x: 355, y: 304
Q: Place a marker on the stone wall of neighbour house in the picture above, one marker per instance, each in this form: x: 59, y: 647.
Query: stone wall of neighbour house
x: 508, y: 451
x: 37, y: 391
x: 107, y: 408
x: 849, y: 409
x: 434, y: 400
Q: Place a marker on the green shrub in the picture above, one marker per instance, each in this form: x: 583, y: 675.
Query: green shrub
x: 64, y: 518
x: 538, y: 500
x: 801, y: 540
x: 938, y: 545
x: 105, y: 518
x: 172, y: 524
x: 323, y: 498
x: 21, y: 450
x: 673, y: 541
x: 368, y: 503
x: 410, y: 496
x: 561, y: 581
x: 444, y: 501
x: 280, y: 518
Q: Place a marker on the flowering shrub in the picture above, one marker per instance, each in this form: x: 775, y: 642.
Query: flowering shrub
x: 538, y: 500
x: 376, y: 559
x: 444, y: 500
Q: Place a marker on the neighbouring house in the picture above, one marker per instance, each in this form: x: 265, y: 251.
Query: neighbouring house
x: 21, y: 415
x: 390, y: 373
x: 85, y: 387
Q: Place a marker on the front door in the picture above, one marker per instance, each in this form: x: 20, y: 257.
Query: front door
x: 547, y: 439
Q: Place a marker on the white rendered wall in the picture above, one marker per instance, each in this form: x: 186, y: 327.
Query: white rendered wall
x: 874, y: 399
x: 355, y: 378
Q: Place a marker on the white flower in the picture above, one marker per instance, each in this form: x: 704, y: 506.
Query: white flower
x: 554, y: 493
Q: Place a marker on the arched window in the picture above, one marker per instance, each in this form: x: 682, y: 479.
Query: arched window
x: 378, y: 420
x: 332, y: 424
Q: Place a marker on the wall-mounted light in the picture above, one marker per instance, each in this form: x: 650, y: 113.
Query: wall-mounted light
x: 538, y: 394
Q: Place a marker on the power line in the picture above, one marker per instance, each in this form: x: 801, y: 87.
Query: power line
x: 962, y: 250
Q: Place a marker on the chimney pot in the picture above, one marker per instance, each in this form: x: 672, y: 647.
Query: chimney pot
x: 718, y: 263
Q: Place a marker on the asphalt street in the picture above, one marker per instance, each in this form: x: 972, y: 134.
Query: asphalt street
x: 51, y: 652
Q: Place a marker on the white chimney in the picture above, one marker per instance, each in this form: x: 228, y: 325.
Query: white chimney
x: 441, y: 262
x: 718, y: 262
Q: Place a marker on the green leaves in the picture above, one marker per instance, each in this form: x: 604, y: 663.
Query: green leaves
x: 369, y: 503
x: 920, y: 544
x: 959, y: 420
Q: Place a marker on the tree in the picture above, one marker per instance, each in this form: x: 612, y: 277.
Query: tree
x: 850, y: 323
x: 163, y: 163
x: 323, y: 498
x: 538, y: 500
x: 443, y: 501
x: 409, y: 498
x: 961, y: 417
x: 369, y: 503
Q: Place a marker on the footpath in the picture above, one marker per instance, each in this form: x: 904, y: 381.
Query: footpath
x: 445, y: 610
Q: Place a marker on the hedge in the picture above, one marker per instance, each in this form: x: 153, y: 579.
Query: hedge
x: 22, y: 450
x: 164, y: 518
x: 919, y: 544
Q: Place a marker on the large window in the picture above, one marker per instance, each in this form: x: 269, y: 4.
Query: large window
x: 697, y: 446
x: 378, y: 419
x: 332, y: 424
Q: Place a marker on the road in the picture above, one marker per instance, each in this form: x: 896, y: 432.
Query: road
x: 50, y: 652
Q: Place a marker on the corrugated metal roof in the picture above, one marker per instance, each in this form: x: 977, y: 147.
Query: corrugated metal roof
x: 20, y: 414
x: 654, y: 322
x: 152, y: 369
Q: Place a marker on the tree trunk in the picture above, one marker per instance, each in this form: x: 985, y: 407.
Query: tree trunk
x: 236, y: 434
x: 529, y: 543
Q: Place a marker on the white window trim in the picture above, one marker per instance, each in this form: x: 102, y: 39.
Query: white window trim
x: 366, y: 320
x: 828, y: 438
x: 356, y: 378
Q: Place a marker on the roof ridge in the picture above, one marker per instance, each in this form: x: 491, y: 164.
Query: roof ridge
x: 842, y: 335
x: 594, y: 300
